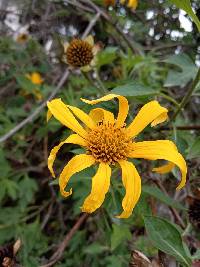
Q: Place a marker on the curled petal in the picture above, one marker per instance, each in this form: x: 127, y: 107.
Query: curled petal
x: 61, y: 112
x: 73, y: 139
x: 132, y: 183
x: 76, y: 164
x: 99, y: 114
x: 165, y: 168
x: 85, y: 118
x: 152, y: 113
x: 161, y: 149
x: 123, y: 106
x: 100, y: 186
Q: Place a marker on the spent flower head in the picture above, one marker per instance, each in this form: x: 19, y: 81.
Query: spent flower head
x: 107, y: 141
x: 81, y: 53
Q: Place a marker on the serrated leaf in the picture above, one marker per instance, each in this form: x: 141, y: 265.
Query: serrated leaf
x: 157, y: 193
x: 134, y: 89
x: 166, y: 237
x: 186, y: 73
x: 119, y: 234
x: 186, y: 6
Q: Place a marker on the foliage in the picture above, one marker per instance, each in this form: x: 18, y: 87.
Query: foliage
x: 161, y: 63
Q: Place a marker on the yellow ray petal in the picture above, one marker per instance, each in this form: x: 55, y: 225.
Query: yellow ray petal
x: 122, y: 2
x: 123, y: 106
x: 152, y: 113
x: 76, y: 164
x: 100, y: 186
x: 132, y: 4
x: 36, y: 78
x: 61, y: 112
x: 85, y: 118
x: 89, y: 39
x: 165, y: 168
x: 99, y: 114
x: 49, y: 115
x: 161, y: 149
x: 73, y: 139
x: 132, y: 183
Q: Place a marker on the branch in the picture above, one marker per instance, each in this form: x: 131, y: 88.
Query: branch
x: 59, y: 252
x: 31, y: 117
x: 114, y: 24
x: 63, y: 79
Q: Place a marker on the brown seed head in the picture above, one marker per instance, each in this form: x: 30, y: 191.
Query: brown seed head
x: 79, y: 53
x: 108, y: 144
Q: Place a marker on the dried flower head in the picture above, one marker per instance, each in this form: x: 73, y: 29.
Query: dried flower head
x: 107, y: 141
x: 81, y: 53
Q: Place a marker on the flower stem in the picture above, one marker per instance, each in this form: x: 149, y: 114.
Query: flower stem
x: 170, y: 99
x: 187, y: 96
x: 102, y: 88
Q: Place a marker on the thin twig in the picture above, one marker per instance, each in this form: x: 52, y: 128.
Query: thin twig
x: 115, y: 25
x: 32, y: 116
x: 63, y: 79
x: 187, y: 96
x: 92, y: 23
x: 59, y: 252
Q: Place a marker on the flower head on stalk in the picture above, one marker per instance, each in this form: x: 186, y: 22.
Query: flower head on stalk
x: 81, y: 53
x: 107, y: 141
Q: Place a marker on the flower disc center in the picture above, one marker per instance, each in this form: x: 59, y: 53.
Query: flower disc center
x: 108, y: 144
x: 79, y: 53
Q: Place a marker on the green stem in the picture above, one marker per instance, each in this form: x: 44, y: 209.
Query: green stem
x: 102, y: 88
x: 169, y: 98
x: 187, y: 96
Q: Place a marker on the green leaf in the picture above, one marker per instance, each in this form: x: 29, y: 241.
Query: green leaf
x: 186, y: 6
x: 166, y: 237
x: 106, y: 56
x: 25, y: 83
x: 196, y: 256
x: 157, y: 193
x: 95, y: 248
x: 194, y: 150
x: 134, y: 89
x: 119, y: 234
x: 186, y: 73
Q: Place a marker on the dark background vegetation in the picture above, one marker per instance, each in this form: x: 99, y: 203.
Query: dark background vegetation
x: 146, y: 53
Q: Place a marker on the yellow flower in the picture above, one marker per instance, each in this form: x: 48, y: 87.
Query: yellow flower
x: 108, y: 142
x: 81, y: 53
x: 36, y: 79
x: 131, y: 3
